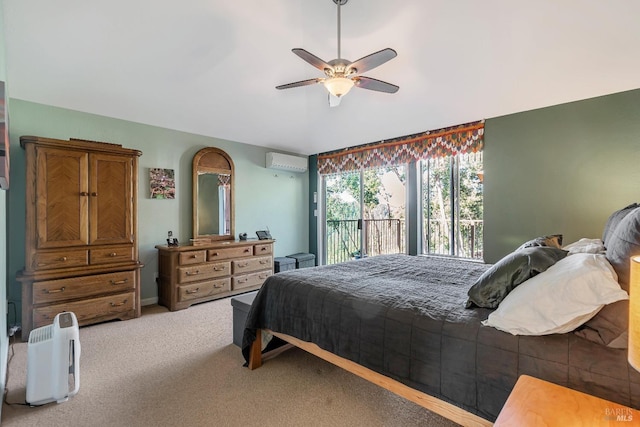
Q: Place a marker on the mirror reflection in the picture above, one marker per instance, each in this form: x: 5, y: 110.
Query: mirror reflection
x: 212, y: 196
x: 214, y: 209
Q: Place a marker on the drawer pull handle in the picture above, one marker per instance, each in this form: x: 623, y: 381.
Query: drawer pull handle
x: 84, y: 193
x: 243, y: 264
x: 119, y: 282
x: 215, y: 254
x: 218, y: 286
x: 193, y: 273
x: 264, y: 261
x: 264, y: 276
x: 62, y: 258
x: 243, y: 280
x: 113, y: 254
x: 120, y: 304
x: 263, y: 249
x: 94, y: 194
x: 248, y: 250
x: 218, y: 268
x: 53, y: 291
x: 194, y: 256
x: 193, y: 291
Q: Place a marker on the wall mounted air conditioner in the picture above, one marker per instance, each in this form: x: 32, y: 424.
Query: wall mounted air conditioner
x: 53, y: 361
x: 286, y: 162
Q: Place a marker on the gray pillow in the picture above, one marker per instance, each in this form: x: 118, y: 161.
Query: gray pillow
x: 553, y: 240
x: 609, y: 327
x: 622, y: 244
x: 495, y: 283
x: 614, y: 220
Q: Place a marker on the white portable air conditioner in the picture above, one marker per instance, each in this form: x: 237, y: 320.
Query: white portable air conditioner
x: 53, y: 361
x: 286, y: 162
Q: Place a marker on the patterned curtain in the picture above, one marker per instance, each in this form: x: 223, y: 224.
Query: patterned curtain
x: 462, y: 139
x: 223, y: 180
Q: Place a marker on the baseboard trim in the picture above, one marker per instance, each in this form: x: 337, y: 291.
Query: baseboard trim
x: 149, y: 301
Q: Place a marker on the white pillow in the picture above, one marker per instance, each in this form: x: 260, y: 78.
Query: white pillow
x: 585, y: 245
x: 560, y: 299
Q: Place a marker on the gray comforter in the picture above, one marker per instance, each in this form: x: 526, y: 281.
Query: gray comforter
x: 405, y: 317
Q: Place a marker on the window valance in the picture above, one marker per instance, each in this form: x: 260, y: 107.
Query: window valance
x: 461, y: 139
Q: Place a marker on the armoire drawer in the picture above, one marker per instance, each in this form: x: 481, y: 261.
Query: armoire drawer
x: 252, y: 264
x: 203, y: 272
x: 48, y: 291
x: 111, y: 255
x: 227, y: 253
x: 203, y: 289
x: 87, y: 311
x: 250, y: 280
x: 61, y: 259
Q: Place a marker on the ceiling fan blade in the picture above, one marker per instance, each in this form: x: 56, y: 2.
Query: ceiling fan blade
x: 300, y: 83
x: 369, y: 62
x: 374, y: 84
x: 311, y: 59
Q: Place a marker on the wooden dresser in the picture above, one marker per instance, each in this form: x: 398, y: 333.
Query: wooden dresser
x: 81, y: 245
x: 193, y: 274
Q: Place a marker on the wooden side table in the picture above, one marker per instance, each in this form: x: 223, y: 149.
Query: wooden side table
x: 535, y: 402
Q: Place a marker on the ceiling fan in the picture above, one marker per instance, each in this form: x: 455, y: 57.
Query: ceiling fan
x: 342, y: 74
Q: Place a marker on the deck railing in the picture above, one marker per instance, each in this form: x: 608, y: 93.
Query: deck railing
x: 468, y: 239
x: 387, y: 236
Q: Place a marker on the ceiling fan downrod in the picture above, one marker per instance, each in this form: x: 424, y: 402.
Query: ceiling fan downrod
x: 339, y: 3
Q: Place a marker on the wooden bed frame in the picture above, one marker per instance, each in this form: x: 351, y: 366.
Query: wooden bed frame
x: 431, y: 403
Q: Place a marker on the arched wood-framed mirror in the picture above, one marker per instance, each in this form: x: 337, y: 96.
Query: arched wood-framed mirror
x: 213, y: 195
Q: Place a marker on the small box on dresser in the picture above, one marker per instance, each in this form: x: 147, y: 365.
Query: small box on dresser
x: 194, y: 274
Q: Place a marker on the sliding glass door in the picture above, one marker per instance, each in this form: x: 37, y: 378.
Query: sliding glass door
x: 343, y: 213
x: 365, y: 213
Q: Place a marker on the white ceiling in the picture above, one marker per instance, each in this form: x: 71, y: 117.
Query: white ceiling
x: 210, y: 67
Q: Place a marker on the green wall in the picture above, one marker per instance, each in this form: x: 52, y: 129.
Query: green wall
x: 4, y: 339
x: 561, y: 169
x: 264, y: 198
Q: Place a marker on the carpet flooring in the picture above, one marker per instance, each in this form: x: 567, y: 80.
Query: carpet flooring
x: 182, y: 369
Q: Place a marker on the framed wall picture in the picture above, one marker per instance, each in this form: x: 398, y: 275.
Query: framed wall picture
x: 162, y: 183
x: 4, y: 138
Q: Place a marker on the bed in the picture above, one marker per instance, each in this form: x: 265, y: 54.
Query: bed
x: 408, y: 324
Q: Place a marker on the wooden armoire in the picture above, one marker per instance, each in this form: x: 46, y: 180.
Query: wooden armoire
x: 81, y: 250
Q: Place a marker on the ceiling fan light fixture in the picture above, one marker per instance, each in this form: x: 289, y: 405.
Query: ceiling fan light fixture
x: 338, y: 86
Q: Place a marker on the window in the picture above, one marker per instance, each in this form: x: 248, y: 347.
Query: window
x: 439, y: 175
x: 452, y: 206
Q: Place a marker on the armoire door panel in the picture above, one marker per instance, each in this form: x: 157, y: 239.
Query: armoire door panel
x: 110, y: 197
x: 62, y: 198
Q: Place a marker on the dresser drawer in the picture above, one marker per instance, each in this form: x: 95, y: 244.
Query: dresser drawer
x: 87, y: 311
x: 263, y: 249
x: 61, y: 259
x: 192, y: 257
x: 203, y: 289
x: 81, y: 287
x: 110, y: 255
x: 252, y: 264
x: 227, y: 253
x: 203, y: 272
x: 250, y: 280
